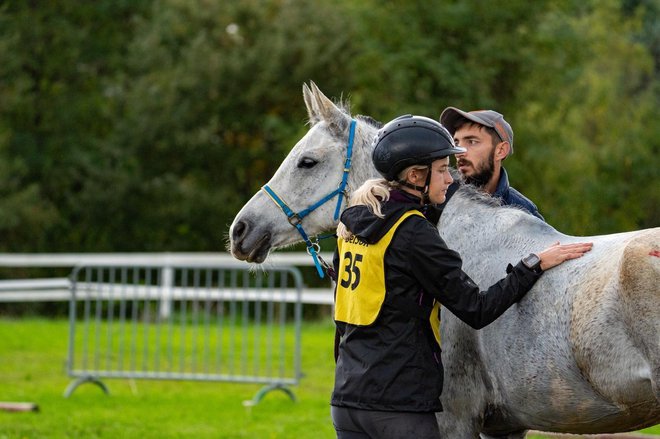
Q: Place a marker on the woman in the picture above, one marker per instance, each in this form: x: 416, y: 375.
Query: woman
x: 393, y: 269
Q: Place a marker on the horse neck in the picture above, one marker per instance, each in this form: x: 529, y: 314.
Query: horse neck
x: 472, y: 220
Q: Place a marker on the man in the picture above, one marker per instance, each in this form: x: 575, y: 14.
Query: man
x: 488, y: 139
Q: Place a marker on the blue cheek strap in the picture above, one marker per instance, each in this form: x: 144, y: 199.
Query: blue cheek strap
x: 295, y: 219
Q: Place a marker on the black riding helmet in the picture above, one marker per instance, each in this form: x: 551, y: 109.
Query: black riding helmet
x: 410, y: 140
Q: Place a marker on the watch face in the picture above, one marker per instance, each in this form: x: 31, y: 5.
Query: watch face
x: 532, y: 261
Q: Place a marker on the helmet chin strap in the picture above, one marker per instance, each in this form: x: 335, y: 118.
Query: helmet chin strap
x: 424, y: 190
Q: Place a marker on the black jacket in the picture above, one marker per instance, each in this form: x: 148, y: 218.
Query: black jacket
x: 394, y: 364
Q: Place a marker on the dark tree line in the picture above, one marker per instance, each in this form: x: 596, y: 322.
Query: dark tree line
x: 145, y: 125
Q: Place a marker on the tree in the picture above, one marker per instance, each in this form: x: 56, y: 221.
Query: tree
x: 587, y: 117
x: 57, y: 58
x: 147, y: 125
x: 210, y: 105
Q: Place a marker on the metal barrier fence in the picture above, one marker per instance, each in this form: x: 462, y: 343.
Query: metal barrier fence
x: 203, y: 323
x: 58, y: 289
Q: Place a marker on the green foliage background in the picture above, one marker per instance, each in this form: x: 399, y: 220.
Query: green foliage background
x: 146, y: 125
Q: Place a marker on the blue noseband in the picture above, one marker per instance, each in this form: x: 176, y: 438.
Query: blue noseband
x: 295, y: 219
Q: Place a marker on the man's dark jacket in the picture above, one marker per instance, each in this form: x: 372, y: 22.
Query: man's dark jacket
x: 394, y: 364
x: 512, y: 197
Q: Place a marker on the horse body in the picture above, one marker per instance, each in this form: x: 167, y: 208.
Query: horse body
x: 579, y: 353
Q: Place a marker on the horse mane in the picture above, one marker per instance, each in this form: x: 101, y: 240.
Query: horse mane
x: 473, y: 193
x: 370, y: 121
x: 345, y: 106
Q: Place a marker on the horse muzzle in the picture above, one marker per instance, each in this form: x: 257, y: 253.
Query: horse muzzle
x: 248, y: 244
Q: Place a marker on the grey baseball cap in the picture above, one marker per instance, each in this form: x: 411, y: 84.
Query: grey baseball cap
x: 451, y: 117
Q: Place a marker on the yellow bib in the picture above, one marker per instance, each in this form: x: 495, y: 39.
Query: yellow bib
x: 361, y: 280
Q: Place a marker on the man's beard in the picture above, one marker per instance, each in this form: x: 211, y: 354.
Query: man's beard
x: 482, y: 175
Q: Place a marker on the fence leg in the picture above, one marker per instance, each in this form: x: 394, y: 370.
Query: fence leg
x: 264, y: 390
x: 90, y: 379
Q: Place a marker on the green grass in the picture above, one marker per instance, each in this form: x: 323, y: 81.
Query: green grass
x: 32, y: 369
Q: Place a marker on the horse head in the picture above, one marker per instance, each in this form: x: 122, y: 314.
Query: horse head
x: 306, y: 193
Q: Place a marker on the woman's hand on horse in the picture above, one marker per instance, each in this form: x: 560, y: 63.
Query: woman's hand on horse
x: 558, y: 253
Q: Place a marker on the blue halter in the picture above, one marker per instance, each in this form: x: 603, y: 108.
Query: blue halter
x: 295, y: 219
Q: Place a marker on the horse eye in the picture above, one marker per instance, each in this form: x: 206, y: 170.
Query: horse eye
x: 307, y: 163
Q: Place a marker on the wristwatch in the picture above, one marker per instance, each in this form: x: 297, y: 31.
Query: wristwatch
x: 533, y: 262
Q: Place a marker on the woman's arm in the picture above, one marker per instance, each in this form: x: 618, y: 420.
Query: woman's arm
x: 439, y: 270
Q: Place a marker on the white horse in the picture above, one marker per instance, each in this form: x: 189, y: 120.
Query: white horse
x: 580, y: 353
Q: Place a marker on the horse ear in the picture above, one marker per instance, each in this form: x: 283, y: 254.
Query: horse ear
x: 320, y: 108
x: 309, y: 103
